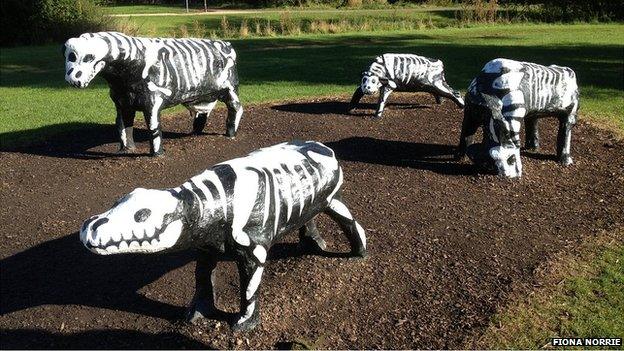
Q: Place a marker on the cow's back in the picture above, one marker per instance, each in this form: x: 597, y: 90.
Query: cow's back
x: 285, y: 186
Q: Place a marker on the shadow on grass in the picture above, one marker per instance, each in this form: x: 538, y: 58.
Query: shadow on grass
x: 433, y: 157
x: 96, y: 339
x: 339, y: 59
x: 73, y: 140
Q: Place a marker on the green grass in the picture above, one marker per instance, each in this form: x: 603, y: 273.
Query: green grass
x: 342, y: 21
x: 141, y: 9
x: 35, y: 102
x: 585, y: 298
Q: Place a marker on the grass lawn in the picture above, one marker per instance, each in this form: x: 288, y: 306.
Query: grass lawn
x: 294, y: 21
x: 580, y: 295
x: 140, y: 9
x: 35, y: 101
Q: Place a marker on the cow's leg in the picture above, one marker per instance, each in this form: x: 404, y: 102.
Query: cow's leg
x: 310, y: 239
x: 470, y: 125
x: 564, y: 137
x: 339, y: 212
x: 250, y: 274
x: 152, y: 117
x: 125, y: 124
x: 235, y: 112
x: 203, y: 304
x: 438, y: 99
x: 355, y: 99
x: 442, y: 89
x: 384, y: 93
x: 531, y: 134
x: 200, y: 114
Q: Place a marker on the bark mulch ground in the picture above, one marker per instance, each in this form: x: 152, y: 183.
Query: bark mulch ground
x: 446, y: 244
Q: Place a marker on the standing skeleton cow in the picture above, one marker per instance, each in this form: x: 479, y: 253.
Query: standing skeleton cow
x: 404, y: 72
x: 149, y: 75
x: 235, y: 210
x: 505, y: 94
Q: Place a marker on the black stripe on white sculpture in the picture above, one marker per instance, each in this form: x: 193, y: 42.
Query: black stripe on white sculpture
x: 148, y: 75
x: 235, y: 210
x: 404, y: 72
x: 505, y: 94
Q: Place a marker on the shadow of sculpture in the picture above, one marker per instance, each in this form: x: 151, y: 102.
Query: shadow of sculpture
x: 75, y: 140
x: 340, y: 108
x: 63, y: 272
x: 96, y: 339
x: 437, y: 158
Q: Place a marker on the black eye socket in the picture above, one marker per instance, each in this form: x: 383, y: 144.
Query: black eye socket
x: 88, y: 58
x: 142, y: 215
x: 511, y: 160
x: 71, y: 57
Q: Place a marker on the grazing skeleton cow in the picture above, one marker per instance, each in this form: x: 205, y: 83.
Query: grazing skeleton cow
x: 148, y: 75
x: 404, y: 72
x: 508, y: 92
x: 235, y: 210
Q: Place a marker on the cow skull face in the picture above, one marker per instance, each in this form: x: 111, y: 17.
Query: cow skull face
x: 83, y: 60
x: 143, y: 221
x: 507, y: 160
x: 370, y: 84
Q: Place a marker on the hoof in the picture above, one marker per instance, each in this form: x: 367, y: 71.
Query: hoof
x: 531, y: 147
x: 200, y: 310
x: 126, y: 150
x: 566, y: 160
x: 359, y: 254
x: 246, y: 326
x: 158, y: 154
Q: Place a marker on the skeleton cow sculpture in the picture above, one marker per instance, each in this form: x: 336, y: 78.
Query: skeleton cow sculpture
x: 149, y: 75
x: 234, y: 210
x: 508, y: 92
x: 404, y: 72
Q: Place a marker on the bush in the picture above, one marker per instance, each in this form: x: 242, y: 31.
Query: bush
x: 42, y: 21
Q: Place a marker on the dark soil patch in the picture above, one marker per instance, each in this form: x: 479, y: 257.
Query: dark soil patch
x: 446, y: 244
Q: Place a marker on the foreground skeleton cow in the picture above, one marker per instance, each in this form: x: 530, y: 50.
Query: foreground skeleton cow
x: 508, y: 92
x: 149, y: 75
x: 234, y: 210
x: 404, y: 72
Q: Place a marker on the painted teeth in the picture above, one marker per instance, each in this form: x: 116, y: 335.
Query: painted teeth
x: 149, y: 232
x: 138, y: 234
x: 134, y: 245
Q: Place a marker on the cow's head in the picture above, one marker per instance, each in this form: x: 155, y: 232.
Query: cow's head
x: 371, y: 83
x: 142, y: 221
x: 84, y: 59
x: 504, y: 146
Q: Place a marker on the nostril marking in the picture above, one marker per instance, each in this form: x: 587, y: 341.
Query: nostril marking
x: 85, y: 225
x: 70, y: 71
x: 78, y: 74
x: 98, y: 223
